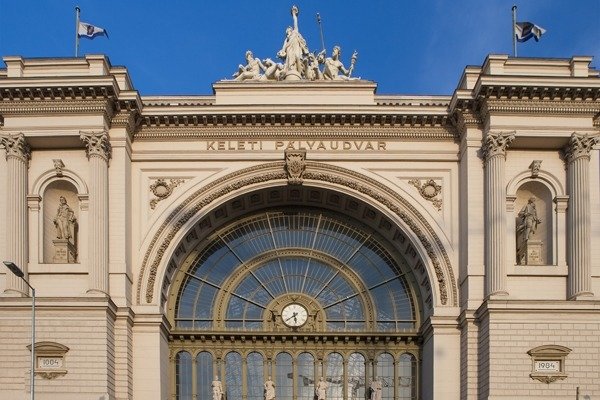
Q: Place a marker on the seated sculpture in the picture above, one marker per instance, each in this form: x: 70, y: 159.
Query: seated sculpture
x: 252, y: 69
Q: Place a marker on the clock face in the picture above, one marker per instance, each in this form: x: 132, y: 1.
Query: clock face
x: 294, y: 315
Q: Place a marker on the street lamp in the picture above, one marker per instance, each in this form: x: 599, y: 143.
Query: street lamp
x: 17, y: 271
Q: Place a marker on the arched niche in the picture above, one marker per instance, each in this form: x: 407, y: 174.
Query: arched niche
x: 60, y: 222
x: 534, y: 195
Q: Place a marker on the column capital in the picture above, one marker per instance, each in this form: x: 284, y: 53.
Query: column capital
x: 495, y: 144
x: 16, y: 146
x: 97, y: 144
x: 580, y: 145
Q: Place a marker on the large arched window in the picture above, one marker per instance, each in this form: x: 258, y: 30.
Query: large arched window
x: 204, y: 375
x: 356, y: 376
x: 305, y: 376
x: 254, y: 372
x: 385, y: 374
x: 407, y: 374
x: 248, y: 265
x: 335, y: 376
x: 284, y: 386
x: 183, y: 375
x: 233, y: 376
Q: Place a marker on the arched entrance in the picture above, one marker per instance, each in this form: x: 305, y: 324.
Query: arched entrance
x: 295, y: 290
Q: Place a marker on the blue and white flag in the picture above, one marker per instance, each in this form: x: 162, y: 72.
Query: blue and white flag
x: 526, y: 30
x: 90, y: 31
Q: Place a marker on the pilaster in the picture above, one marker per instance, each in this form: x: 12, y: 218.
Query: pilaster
x: 98, y: 151
x: 579, y: 242
x: 494, y: 152
x: 18, y: 155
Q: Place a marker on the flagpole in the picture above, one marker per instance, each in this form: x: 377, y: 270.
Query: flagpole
x: 77, y: 10
x: 514, y: 32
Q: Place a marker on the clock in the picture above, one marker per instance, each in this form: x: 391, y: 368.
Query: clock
x: 294, y: 315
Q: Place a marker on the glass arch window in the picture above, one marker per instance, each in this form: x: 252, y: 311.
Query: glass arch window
x: 341, y: 265
x: 233, y: 376
x: 204, y: 375
x: 284, y: 376
x: 335, y: 376
x: 255, y: 378
x: 407, y: 374
x: 385, y: 373
x: 183, y: 375
x: 356, y: 376
x: 305, y: 376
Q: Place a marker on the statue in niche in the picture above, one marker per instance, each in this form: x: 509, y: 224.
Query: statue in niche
x: 269, y: 389
x: 65, y: 221
x: 527, y: 227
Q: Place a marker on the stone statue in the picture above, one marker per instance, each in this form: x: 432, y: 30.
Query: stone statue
x: 313, y: 73
x: 269, y: 389
x: 376, y: 389
x: 333, y: 66
x: 64, y: 220
x: 252, y: 69
x: 528, y: 225
x: 293, y: 50
x: 321, y: 389
x: 273, y: 70
x: 217, y: 389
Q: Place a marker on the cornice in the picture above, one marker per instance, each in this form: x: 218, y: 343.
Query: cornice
x: 36, y: 107
x: 37, y: 89
x: 538, y: 88
x: 552, y: 107
x: 278, y: 131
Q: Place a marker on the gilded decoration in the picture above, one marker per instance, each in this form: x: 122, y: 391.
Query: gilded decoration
x: 429, y: 190
x: 161, y: 189
x: 276, y: 171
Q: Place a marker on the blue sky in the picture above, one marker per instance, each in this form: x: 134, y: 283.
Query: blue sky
x: 408, y: 47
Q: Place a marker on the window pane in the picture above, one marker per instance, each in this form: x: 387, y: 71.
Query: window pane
x: 204, y: 375
x: 407, y: 374
x: 284, y: 382
x: 385, y: 373
x: 183, y: 376
x: 255, y: 378
x: 356, y: 376
x: 233, y: 376
x: 306, y: 376
x: 335, y: 376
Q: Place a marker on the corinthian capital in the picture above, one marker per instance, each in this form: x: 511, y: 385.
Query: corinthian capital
x: 495, y: 144
x: 96, y: 145
x: 580, y: 145
x: 16, y: 146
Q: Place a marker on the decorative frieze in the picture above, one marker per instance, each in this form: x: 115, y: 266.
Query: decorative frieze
x: 161, y: 189
x: 429, y: 190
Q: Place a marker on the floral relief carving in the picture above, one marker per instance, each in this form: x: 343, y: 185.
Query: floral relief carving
x: 97, y: 145
x: 495, y: 144
x: 161, y: 189
x: 580, y: 145
x: 429, y: 190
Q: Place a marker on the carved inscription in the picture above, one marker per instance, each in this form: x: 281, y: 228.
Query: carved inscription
x: 316, y: 145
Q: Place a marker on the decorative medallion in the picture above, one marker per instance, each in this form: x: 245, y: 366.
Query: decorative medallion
x: 161, y: 189
x: 428, y: 190
x: 295, y: 164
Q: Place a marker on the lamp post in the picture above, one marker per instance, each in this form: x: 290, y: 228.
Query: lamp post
x: 17, y: 271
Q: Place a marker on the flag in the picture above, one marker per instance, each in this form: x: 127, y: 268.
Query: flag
x: 526, y: 30
x: 89, y: 31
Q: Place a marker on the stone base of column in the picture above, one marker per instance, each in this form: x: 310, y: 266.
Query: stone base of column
x: 500, y: 295
x: 64, y: 252
x: 582, y: 296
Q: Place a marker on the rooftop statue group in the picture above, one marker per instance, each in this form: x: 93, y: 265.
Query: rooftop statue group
x: 298, y: 62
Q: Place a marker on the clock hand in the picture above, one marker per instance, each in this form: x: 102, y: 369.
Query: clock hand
x: 293, y: 316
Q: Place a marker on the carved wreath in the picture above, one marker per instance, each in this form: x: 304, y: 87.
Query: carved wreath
x: 161, y: 189
x: 428, y: 190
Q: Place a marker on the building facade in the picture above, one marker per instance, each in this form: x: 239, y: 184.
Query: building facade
x: 287, y: 230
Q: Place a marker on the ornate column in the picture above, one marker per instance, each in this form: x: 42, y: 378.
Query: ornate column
x: 98, y: 151
x: 494, y: 154
x: 18, y: 154
x: 579, y: 215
